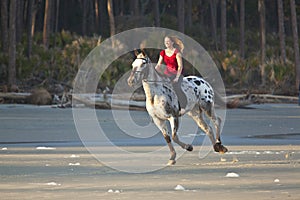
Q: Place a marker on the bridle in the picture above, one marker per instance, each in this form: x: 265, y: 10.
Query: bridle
x: 146, y: 61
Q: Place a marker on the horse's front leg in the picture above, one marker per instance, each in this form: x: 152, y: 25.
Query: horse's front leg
x: 161, y: 124
x: 174, y: 127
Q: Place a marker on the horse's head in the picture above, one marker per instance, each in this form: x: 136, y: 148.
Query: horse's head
x: 140, y: 69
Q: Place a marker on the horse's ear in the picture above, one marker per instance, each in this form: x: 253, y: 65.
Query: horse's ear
x: 143, y: 52
x: 136, y: 52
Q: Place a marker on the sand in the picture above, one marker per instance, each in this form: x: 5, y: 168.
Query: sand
x: 245, y: 172
x: 42, y: 157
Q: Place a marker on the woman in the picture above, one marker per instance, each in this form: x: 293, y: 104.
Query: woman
x: 172, y: 58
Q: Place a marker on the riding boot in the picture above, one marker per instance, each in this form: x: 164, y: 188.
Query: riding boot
x: 180, y: 95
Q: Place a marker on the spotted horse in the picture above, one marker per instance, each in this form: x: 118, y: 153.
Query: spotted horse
x: 162, y: 103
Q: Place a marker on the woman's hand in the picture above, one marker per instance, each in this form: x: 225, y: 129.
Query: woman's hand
x: 160, y: 60
x: 157, y: 67
x: 175, y: 80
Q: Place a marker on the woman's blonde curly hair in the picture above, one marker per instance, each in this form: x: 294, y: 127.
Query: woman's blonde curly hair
x: 178, y: 44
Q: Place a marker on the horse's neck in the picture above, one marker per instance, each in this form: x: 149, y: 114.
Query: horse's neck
x: 153, y: 76
x: 148, y: 91
x: 154, y: 82
x: 149, y: 81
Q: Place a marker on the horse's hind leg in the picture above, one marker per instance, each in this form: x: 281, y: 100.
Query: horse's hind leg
x: 161, y: 124
x: 218, y: 147
x: 210, y: 111
x: 196, y: 114
x: 174, y: 127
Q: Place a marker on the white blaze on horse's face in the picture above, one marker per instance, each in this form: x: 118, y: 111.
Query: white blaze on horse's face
x: 137, y: 73
x: 137, y: 63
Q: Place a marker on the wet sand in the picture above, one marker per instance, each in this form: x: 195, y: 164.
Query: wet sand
x: 264, y: 172
x: 263, y: 161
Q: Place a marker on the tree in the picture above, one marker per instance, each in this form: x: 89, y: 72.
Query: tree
x: 262, y: 17
x: 295, y: 39
x: 35, y: 10
x: 12, y: 77
x: 236, y: 18
x: 96, y: 15
x: 242, y: 28
x: 156, y: 13
x: 189, y: 13
x: 47, y: 22
x: 281, y: 31
x: 56, y: 21
x: 85, y: 6
x: 4, y: 24
x: 111, y: 19
x: 136, y: 7
x: 213, y: 13
x: 180, y: 15
x: 29, y: 27
x: 119, y: 7
x: 223, y: 26
x: 103, y: 18
x: 19, y: 20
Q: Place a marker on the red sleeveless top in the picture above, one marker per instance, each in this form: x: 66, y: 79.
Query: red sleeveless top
x: 170, y: 62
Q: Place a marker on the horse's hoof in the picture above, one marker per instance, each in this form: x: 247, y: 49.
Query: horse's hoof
x: 171, y: 162
x: 223, y: 150
x: 218, y: 147
x: 189, y: 147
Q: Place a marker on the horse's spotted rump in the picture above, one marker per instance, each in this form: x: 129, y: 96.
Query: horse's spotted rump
x: 201, y: 88
x: 197, y: 82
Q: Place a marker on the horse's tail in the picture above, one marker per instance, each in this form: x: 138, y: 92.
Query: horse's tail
x: 219, y: 99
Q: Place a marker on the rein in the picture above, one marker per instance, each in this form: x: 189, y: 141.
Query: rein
x: 153, y: 81
x: 148, y: 61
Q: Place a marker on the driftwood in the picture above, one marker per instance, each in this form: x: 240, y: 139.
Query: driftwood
x: 137, y: 101
x: 108, y: 101
x: 14, y: 95
x: 89, y: 103
x: 38, y: 97
x: 235, y: 101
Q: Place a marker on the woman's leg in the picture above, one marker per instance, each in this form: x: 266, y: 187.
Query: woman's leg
x: 180, y: 94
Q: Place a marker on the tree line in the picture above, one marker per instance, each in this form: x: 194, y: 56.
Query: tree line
x: 221, y: 26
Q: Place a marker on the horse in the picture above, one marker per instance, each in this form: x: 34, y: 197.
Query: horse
x: 162, y: 103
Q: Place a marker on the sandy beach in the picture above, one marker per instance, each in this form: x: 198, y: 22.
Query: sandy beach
x: 42, y: 157
x: 246, y: 172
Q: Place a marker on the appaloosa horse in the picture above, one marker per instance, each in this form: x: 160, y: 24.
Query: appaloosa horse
x: 162, y: 103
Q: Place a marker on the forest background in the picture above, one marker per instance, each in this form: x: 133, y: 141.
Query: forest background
x: 254, y: 43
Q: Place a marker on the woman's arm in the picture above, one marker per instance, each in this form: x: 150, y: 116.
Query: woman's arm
x: 159, y: 62
x: 180, y: 66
